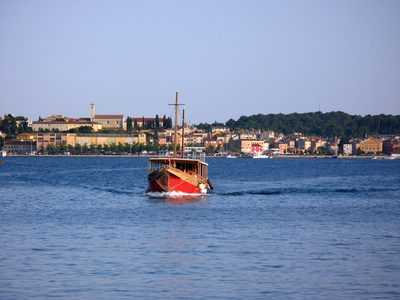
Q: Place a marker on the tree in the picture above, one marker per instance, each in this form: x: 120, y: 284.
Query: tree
x: 50, y: 149
x: 113, y: 148
x: 167, y: 123
x: 121, y: 148
x: 210, y: 149
x: 1, y: 142
x: 134, y: 148
x: 23, y: 124
x: 77, y: 148
x: 127, y: 147
x: 140, y: 147
x: 85, y: 148
x: 9, y: 125
x: 70, y: 148
x: 329, y: 124
x: 157, y: 122
x: 129, y: 124
x: 85, y: 129
x: 205, y: 126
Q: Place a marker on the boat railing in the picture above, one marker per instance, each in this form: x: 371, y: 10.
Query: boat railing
x: 187, y: 155
x: 195, y: 155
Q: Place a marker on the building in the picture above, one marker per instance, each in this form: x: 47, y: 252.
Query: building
x: 347, y: 149
x: 26, y: 137
x: 319, y: 144
x: 110, y: 122
x: 19, y: 147
x: 391, y: 145
x: 43, y: 140
x: 257, y: 148
x: 247, y: 136
x: 65, y: 139
x: 303, y: 144
x: 162, y: 140
x: 195, y: 138
x: 216, y: 130
x: 283, y: 147
x: 147, y: 122
x: 65, y: 125
x: 247, y: 146
x: 213, y: 143
x: 109, y: 139
x: 371, y: 145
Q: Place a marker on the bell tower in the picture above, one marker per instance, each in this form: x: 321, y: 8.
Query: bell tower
x: 92, y: 111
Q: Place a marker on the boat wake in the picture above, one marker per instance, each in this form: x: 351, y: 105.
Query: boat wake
x: 173, y: 194
x: 304, y: 191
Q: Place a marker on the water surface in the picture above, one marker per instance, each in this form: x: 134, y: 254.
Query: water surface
x: 273, y: 228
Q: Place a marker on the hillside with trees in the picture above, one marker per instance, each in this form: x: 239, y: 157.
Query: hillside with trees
x: 329, y: 124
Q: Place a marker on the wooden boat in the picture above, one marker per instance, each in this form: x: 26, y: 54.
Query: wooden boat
x: 187, y: 173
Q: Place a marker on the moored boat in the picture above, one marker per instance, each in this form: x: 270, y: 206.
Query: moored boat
x: 259, y: 155
x: 394, y: 156
x: 186, y: 174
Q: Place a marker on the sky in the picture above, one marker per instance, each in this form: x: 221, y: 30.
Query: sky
x: 226, y: 58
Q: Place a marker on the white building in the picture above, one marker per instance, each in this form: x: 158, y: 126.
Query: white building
x: 347, y: 149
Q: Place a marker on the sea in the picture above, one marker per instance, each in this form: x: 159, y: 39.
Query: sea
x: 85, y: 228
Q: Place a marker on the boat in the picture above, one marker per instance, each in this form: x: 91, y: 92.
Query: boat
x: 231, y: 156
x: 3, y: 153
x: 186, y: 174
x: 259, y: 155
x: 394, y: 156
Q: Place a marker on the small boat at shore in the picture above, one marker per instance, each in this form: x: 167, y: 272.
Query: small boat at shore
x: 394, y: 156
x: 3, y: 153
x: 186, y: 174
x: 259, y: 155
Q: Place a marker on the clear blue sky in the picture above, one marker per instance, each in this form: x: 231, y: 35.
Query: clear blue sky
x: 226, y: 58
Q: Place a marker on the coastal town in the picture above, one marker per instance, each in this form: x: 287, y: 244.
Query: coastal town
x: 108, y: 134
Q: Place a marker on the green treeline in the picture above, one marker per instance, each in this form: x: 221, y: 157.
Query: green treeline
x: 321, y: 124
x: 11, y: 125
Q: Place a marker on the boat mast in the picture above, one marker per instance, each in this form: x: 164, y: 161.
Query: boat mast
x: 176, y: 123
x: 183, y: 133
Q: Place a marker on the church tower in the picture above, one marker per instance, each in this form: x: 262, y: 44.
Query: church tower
x: 92, y: 111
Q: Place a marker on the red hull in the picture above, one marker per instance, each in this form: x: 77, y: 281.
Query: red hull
x: 171, y: 183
